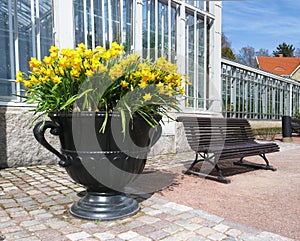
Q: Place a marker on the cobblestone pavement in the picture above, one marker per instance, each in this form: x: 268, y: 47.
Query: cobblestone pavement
x: 35, y: 201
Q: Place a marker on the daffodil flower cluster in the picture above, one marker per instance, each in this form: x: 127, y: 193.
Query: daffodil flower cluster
x: 102, y: 79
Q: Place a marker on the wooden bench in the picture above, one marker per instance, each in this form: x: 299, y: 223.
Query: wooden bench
x: 295, y: 124
x: 218, y: 139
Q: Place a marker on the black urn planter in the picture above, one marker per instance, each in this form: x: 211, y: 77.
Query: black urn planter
x: 105, y: 163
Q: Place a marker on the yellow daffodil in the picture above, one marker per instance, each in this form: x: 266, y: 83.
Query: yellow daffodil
x: 89, y: 73
x: 56, y: 79
x: 124, y: 84
x: 81, y: 46
x: 19, y: 77
x: 53, y: 49
x: 160, y: 84
x: 143, y: 84
x: 161, y: 91
x: 47, y: 60
x: 147, y: 97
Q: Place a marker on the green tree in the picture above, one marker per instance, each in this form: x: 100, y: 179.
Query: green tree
x: 226, y: 48
x: 228, y: 53
x: 287, y: 50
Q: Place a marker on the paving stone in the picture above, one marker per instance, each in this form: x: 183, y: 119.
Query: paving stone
x: 11, y: 229
x: 36, y: 227
x: 233, y: 232
x: 140, y: 238
x: 192, y: 226
x: 105, y: 235
x: 32, y: 238
x: 6, y: 200
x: 232, y: 239
x: 187, y: 215
x: 57, y: 224
x: 17, y: 235
x: 177, y: 207
x: 217, y: 236
x: 19, y: 214
x: 208, y: 216
x: 37, y: 211
x: 148, y: 219
x: 158, y: 235
x: 196, y: 238
x: 7, y: 224
x: 88, y: 225
x: 44, y: 216
x: 29, y: 223
x: 221, y: 228
x: 173, y: 228
x: 170, y: 238
x: 184, y: 235
x: 204, y: 231
x: 145, y: 229
x: 78, y: 236
x: 128, y: 235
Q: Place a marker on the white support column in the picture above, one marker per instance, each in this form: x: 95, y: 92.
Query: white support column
x: 138, y: 24
x: 169, y: 31
x: 63, y: 23
x: 33, y: 28
x: 156, y: 29
x: 180, y: 43
x: 38, y: 32
x: 92, y: 23
x: 215, y: 85
x: 104, y: 34
x: 110, y: 20
x: 291, y: 100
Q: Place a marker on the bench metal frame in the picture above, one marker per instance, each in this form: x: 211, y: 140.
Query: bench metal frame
x: 217, y: 139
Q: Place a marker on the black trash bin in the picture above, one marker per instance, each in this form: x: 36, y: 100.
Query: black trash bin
x: 286, y: 129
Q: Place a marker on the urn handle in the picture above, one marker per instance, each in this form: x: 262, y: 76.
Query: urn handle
x: 39, y: 134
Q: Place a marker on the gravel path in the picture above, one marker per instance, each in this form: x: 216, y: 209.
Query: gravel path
x: 263, y: 199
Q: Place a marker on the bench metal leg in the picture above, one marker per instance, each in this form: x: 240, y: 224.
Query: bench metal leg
x: 220, y: 176
x: 255, y: 165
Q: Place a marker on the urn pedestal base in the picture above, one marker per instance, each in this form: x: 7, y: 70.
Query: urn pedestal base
x: 104, y: 206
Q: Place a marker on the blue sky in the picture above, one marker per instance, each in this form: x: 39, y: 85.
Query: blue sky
x: 261, y: 23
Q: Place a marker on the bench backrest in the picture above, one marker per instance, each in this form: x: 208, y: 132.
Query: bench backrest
x: 202, y: 132
x: 295, y: 123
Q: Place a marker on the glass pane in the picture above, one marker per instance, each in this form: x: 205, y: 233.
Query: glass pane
x: 127, y: 26
x: 200, y: 62
x: 46, y: 26
x: 26, y: 31
x: 197, y: 3
x: 78, y: 21
x: 159, y: 32
x: 6, y: 31
x: 99, y: 18
x: 190, y: 52
x: 7, y: 91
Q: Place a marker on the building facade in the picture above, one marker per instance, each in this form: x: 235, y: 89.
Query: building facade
x: 187, y: 32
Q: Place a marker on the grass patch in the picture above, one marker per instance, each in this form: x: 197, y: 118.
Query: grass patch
x: 266, y: 133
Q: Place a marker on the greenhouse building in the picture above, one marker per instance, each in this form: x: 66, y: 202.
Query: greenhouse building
x: 187, y: 32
